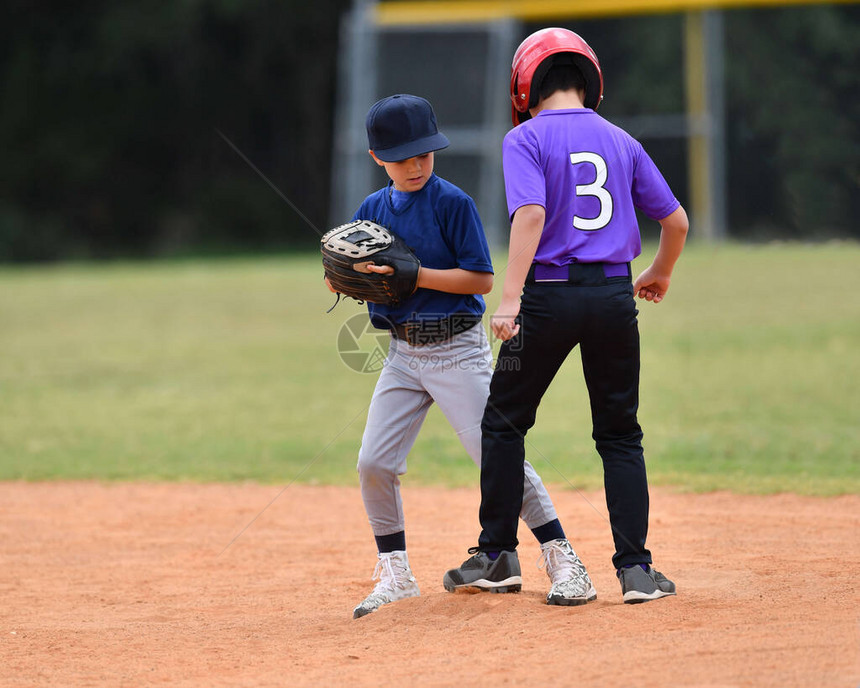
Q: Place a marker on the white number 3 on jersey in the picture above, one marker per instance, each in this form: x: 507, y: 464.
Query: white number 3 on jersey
x: 594, y: 189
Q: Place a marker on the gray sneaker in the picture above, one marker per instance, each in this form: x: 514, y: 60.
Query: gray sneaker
x: 483, y: 574
x: 641, y: 585
x: 571, y: 585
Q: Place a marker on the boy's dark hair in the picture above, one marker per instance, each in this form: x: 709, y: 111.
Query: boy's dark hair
x: 561, y: 76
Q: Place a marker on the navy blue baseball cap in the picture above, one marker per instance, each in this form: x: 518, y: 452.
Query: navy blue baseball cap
x: 402, y: 126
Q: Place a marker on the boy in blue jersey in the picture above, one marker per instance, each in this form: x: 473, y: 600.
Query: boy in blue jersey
x: 438, y: 353
x: 573, y: 182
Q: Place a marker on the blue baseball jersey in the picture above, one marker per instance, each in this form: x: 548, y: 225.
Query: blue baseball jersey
x: 589, y: 176
x: 440, y: 223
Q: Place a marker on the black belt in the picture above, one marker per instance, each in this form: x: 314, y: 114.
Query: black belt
x: 577, y: 273
x: 424, y: 332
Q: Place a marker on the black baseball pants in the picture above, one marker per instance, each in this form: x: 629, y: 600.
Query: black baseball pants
x: 599, y: 314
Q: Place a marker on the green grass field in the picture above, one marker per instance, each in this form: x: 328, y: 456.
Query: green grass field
x: 229, y: 371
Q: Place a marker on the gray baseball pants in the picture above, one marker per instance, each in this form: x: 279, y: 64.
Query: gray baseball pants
x: 456, y: 375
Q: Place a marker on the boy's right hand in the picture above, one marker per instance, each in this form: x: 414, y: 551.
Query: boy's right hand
x: 502, y: 323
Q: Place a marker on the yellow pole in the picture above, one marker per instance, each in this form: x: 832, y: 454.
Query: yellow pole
x: 699, y: 167
x: 410, y: 12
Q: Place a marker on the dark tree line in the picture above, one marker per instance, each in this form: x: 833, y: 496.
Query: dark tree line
x: 794, y: 121
x: 111, y: 111
x: 110, y: 116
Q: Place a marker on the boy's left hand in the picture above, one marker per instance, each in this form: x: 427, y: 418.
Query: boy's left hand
x: 380, y: 269
x: 651, y: 285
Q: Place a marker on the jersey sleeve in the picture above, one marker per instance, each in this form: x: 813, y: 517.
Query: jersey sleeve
x: 651, y: 192
x: 465, y: 236
x: 524, y: 177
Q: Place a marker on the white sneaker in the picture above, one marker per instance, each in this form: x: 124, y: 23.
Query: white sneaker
x: 571, y: 585
x: 396, y: 582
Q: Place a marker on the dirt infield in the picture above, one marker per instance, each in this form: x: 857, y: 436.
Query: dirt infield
x: 139, y: 585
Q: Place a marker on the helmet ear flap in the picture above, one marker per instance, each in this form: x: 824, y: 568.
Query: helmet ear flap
x: 518, y: 116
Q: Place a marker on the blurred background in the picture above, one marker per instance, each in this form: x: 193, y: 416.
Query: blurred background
x: 111, y: 113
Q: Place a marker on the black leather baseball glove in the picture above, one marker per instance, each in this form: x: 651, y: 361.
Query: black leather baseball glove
x: 348, y: 249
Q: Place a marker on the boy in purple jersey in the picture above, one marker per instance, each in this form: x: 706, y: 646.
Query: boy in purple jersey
x: 572, y: 181
x: 438, y: 353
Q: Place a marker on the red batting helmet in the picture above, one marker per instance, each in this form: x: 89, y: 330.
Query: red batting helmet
x: 531, y: 64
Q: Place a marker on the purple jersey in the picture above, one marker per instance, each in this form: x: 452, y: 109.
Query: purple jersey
x: 588, y: 175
